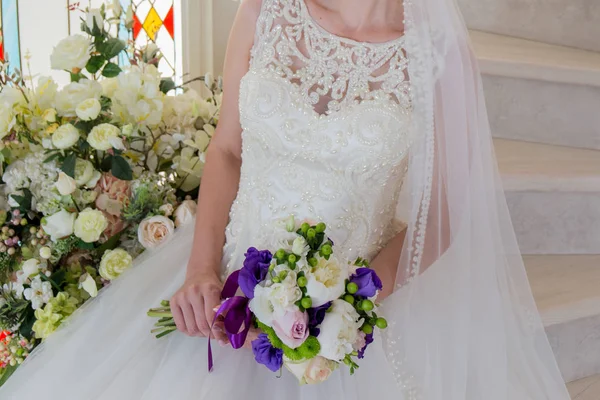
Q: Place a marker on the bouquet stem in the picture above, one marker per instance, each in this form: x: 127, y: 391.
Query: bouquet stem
x: 165, y: 323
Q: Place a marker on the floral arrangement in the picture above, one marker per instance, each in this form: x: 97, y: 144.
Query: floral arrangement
x: 92, y: 173
x: 314, y: 310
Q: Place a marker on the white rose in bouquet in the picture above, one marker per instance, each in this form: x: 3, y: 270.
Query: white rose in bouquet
x: 49, y: 115
x: 84, y: 172
x: 65, y: 136
x: 153, y: 231
x: 114, y: 263
x: 262, y: 306
x: 89, y: 225
x: 339, y: 331
x: 30, y: 267
x: 186, y: 212
x: 109, y: 86
x: 74, y: 94
x: 45, y: 92
x: 89, y: 109
x: 7, y: 120
x: 65, y: 184
x: 59, y: 225
x: 285, y: 294
x: 326, y: 281
x: 102, y: 136
x: 315, y: 370
x: 12, y: 97
x: 70, y: 53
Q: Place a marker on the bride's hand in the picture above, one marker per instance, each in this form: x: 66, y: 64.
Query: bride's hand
x: 194, y: 303
x: 252, y: 336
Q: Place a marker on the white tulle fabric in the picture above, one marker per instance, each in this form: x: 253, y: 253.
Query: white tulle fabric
x: 360, y: 136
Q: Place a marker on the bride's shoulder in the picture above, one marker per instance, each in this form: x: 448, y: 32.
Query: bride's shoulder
x: 251, y: 8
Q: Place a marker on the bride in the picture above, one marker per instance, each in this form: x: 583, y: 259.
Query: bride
x: 368, y: 115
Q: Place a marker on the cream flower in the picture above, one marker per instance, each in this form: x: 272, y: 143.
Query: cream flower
x: 49, y: 115
x: 153, y: 231
x: 89, y: 109
x: 84, y: 172
x: 313, y: 371
x: 74, y: 94
x: 7, y: 120
x: 89, y: 225
x: 114, y: 263
x: 189, y: 168
x: 262, y: 305
x: 30, y: 267
x: 326, y: 281
x: 65, y: 184
x: 59, y: 225
x: 39, y: 293
x: 186, y: 212
x: 70, y: 53
x: 100, y: 138
x: 94, y: 19
x: 46, y: 252
x: 339, y: 331
x: 65, y: 136
x: 88, y: 283
x: 45, y: 92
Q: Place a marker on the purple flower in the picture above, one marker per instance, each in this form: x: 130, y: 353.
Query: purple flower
x: 315, y: 317
x: 266, y: 354
x: 367, y: 281
x: 256, y: 267
x: 368, y: 341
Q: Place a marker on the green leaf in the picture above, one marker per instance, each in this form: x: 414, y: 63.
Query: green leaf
x: 110, y: 244
x: 68, y: 166
x: 52, y: 157
x: 59, y: 277
x: 24, y: 201
x: 111, y: 48
x: 111, y: 70
x: 121, y: 169
x: 105, y: 102
x: 84, y: 245
x: 94, y: 64
x: 26, y: 326
x: 166, y: 85
x: 106, y: 164
x: 7, y: 373
x: 76, y: 77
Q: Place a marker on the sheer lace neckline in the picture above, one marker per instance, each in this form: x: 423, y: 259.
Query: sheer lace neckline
x: 311, y: 20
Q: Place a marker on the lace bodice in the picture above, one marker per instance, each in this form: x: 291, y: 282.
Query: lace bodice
x: 326, y: 130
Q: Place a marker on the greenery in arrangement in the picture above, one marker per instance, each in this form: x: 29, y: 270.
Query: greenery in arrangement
x: 93, y: 174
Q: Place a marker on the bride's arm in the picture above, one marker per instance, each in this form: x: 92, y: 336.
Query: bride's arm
x: 193, y: 304
x: 385, y: 264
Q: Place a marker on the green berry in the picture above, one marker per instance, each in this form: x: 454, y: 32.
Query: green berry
x: 307, y: 302
x: 313, y: 262
x: 352, y: 288
x: 349, y: 298
x: 368, y: 329
x: 304, y: 228
x: 321, y: 227
x: 311, y: 233
x: 367, y: 305
x: 326, y: 250
x: 276, y: 279
x: 381, y: 323
x: 302, y: 281
x: 280, y: 254
x: 292, y: 258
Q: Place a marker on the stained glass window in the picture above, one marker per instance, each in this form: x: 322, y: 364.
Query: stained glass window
x: 158, y: 21
x: 10, y: 49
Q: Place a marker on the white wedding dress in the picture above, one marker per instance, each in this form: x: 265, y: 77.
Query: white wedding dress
x: 327, y: 130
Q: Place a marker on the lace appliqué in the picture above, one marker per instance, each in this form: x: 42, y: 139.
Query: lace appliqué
x: 329, y: 71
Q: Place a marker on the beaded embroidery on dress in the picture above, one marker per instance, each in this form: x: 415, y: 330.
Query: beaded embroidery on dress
x: 326, y: 125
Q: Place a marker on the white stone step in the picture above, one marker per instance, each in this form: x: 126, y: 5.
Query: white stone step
x: 574, y: 23
x: 539, y: 92
x: 566, y: 289
x: 553, y: 194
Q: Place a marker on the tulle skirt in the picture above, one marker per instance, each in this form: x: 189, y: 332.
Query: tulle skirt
x: 106, y: 351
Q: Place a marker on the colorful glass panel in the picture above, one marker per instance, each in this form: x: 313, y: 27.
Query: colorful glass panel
x: 10, y: 48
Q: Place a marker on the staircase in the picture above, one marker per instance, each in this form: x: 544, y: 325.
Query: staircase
x: 542, y: 86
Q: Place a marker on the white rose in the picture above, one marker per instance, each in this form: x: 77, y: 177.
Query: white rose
x: 94, y: 20
x: 155, y: 230
x: 100, y: 136
x: 127, y: 130
x: 167, y: 210
x: 262, y: 306
x: 313, y: 371
x: 185, y: 213
x: 59, y: 225
x: 114, y: 263
x: 339, y: 331
x: 45, y: 252
x: 7, y: 120
x: 283, y: 295
x: 74, y: 94
x: 300, y: 247
x: 93, y: 180
x: 71, y: 52
x: 89, y: 109
x: 65, y: 136
x: 84, y: 172
x: 65, y: 184
x: 89, y: 225
x: 30, y: 267
x: 326, y: 281
x: 45, y: 92
x: 49, y: 115
x: 150, y: 52
x: 109, y: 86
x: 89, y: 285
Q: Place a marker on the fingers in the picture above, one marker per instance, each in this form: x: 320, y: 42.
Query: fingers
x: 200, y: 317
x: 190, y: 319
x: 178, y: 316
x: 212, y: 300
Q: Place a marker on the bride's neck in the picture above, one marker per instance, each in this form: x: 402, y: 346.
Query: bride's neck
x: 363, y: 15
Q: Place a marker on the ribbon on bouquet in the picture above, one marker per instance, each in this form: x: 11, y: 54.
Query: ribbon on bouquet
x: 236, y: 314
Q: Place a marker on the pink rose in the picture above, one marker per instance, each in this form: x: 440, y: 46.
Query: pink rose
x: 115, y: 225
x: 292, y: 328
x: 153, y: 231
x: 361, y: 341
x: 318, y: 370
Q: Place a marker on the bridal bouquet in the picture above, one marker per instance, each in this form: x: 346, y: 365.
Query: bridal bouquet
x: 315, y: 310
x: 93, y: 174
